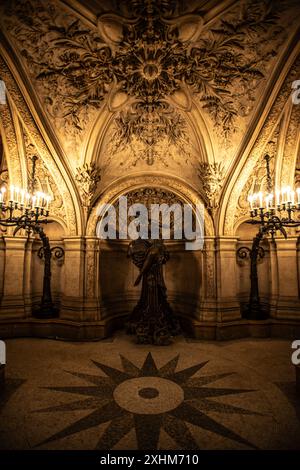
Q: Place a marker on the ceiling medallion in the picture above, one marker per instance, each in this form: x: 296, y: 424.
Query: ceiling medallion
x: 148, y: 64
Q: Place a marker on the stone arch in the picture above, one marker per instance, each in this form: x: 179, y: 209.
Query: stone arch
x: 105, y: 256
x: 123, y: 185
x: 95, y: 141
x: 19, y: 115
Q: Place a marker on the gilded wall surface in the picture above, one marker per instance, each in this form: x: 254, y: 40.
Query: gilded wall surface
x: 180, y: 98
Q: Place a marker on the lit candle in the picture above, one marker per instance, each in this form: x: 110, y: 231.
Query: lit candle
x: 260, y: 195
x: 250, y: 199
x: 288, y: 194
x: 293, y: 198
x: 298, y: 195
x: 12, y: 191
x: 17, y: 192
x: 33, y: 201
x: 267, y: 201
x: 48, y: 202
x: 38, y: 196
x: 22, y: 196
x: 277, y: 198
x: 3, y: 191
x: 271, y: 197
x: 27, y: 200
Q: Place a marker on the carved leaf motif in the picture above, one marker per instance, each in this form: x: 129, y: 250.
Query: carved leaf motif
x: 150, y: 53
x: 87, y: 178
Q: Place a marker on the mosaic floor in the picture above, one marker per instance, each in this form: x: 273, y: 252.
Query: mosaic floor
x: 119, y: 395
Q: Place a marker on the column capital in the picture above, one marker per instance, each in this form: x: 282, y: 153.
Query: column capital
x: 287, y: 244
x: 226, y: 243
x: 15, y: 243
x: 74, y: 243
x: 92, y: 243
x: 209, y: 244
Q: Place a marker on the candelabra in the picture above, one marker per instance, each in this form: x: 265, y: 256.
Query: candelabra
x: 272, y: 215
x: 29, y: 211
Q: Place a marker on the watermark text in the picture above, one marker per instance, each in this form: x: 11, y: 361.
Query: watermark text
x: 2, y: 353
x: 155, y: 221
x: 296, y: 354
x: 2, y: 92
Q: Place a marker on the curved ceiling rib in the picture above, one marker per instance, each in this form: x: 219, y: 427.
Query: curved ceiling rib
x: 177, y: 88
x: 28, y: 109
x: 260, y: 120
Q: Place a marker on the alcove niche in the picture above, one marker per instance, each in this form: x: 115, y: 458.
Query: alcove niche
x: 184, y: 273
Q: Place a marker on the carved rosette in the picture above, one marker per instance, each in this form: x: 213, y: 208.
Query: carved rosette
x: 146, y: 63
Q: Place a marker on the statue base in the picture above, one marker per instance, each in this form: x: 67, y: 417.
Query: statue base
x: 255, y: 311
x: 45, y: 312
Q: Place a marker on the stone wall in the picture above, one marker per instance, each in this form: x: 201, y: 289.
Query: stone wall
x: 94, y: 289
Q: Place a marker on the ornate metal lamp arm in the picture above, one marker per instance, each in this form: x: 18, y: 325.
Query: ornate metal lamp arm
x: 272, y: 215
x: 257, y: 252
x: 31, y: 210
x: 46, y: 308
x: 254, y: 308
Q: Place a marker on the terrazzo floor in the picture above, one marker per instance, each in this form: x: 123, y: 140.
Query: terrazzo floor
x: 115, y: 394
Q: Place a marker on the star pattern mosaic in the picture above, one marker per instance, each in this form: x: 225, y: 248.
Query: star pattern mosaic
x: 11, y: 386
x: 149, y: 399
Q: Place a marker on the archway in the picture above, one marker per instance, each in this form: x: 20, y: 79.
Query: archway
x: 110, y: 275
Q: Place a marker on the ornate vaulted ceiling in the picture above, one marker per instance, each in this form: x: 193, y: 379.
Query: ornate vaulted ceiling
x: 183, y: 88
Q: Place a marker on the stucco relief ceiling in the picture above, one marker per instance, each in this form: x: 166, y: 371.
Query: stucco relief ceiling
x: 165, y: 155
x: 154, y: 66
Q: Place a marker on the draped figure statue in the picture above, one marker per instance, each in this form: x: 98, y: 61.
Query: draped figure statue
x: 152, y: 319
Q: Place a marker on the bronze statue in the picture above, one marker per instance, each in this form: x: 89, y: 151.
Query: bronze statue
x: 152, y: 319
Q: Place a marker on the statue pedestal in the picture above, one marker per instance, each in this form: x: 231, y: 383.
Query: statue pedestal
x: 2, y: 376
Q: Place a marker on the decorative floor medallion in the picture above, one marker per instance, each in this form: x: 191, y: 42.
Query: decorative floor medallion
x: 11, y: 386
x: 149, y: 399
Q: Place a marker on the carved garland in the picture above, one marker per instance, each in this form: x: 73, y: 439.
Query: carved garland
x: 146, y: 63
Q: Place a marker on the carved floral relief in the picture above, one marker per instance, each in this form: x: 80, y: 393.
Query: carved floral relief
x: 147, y: 63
